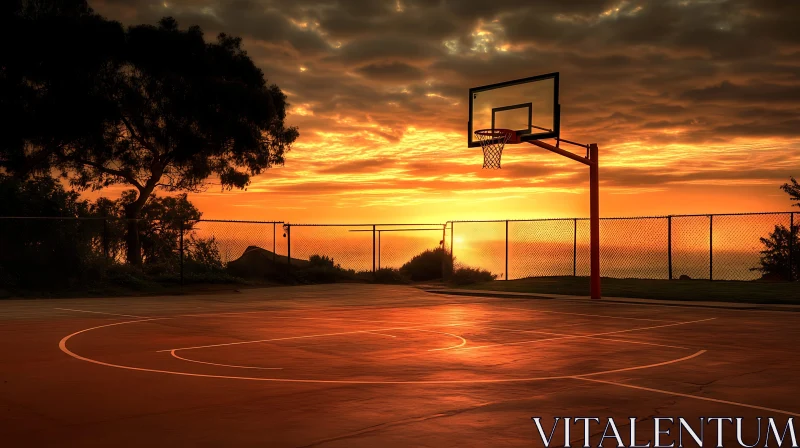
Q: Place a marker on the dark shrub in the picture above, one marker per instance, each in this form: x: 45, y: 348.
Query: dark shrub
x: 466, y: 276
x: 776, y: 262
x: 318, y: 274
x: 426, y: 266
x: 126, y: 276
x: 203, y: 255
x: 53, y: 252
x: 322, y: 269
x: 389, y: 276
x: 322, y: 261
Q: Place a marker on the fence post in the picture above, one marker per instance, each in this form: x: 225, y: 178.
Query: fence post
x: 181, y: 249
x: 791, y: 245
x: 288, y: 244
x: 444, y: 252
x: 506, y: 250
x: 711, y: 247
x: 373, y: 249
x: 105, y: 237
x: 669, y: 244
x: 452, y: 248
x: 273, y: 243
x: 574, y: 247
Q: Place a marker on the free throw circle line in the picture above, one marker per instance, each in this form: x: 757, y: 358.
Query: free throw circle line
x: 62, y: 345
x: 589, y: 336
x: 583, y: 314
x: 289, y: 338
x: 593, y: 337
x: 99, y: 312
x: 222, y: 365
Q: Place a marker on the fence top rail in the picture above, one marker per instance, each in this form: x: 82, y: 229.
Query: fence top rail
x: 513, y: 220
x: 624, y: 217
x: 239, y: 221
x: 54, y: 218
x: 395, y: 230
x: 365, y: 225
x: 116, y: 218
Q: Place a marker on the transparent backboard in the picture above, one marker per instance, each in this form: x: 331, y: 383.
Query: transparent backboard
x: 528, y: 106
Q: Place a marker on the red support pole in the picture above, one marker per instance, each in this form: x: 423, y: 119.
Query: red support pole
x: 594, y: 221
x: 594, y: 207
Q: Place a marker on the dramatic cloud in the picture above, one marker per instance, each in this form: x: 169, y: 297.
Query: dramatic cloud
x: 677, y: 93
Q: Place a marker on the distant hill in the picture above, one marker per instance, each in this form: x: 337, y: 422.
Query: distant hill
x: 258, y: 262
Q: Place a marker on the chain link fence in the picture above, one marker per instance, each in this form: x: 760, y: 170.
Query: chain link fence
x: 746, y: 246
x: 47, y: 252
x: 233, y: 238
x: 361, y: 247
x: 714, y: 247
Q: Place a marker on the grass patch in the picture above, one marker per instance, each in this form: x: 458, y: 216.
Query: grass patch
x: 685, y: 290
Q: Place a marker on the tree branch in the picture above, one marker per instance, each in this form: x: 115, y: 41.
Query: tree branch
x: 123, y: 174
x: 135, y: 135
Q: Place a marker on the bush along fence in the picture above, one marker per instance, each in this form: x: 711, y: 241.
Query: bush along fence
x: 72, y: 251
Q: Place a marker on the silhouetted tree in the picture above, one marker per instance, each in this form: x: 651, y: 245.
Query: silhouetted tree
x: 39, y: 196
x: 781, y: 255
x: 162, y: 109
x: 775, y: 260
x: 160, y: 222
x: 56, y: 56
x: 50, y: 251
x: 792, y: 188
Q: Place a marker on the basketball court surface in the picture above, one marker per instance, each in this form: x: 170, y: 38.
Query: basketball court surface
x: 367, y: 365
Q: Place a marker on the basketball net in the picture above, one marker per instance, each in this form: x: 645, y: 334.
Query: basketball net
x: 493, y: 141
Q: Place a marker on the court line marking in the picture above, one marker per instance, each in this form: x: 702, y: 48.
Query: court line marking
x: 696, y: 397
x: 223, y: 365
x: 62, y: 345
x: 589, y: 335
x: 172, y: 352
x: 315, y: 336
x: 463, y: 341
x: 628, y: 369
x: 63, y: 348
x: 100, y: 312
x: 382, y: 334
x: 582, y: 314
x: 291, y: 317
x: 630, y: 341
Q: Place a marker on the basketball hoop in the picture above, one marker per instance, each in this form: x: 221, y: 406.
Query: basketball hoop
x: 493, y: 141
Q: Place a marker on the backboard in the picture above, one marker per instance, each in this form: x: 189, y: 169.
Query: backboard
x: 528, y: 106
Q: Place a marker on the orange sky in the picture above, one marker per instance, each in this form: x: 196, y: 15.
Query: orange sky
x: 693, y: 104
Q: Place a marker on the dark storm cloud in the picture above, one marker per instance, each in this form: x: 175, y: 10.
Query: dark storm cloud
x: 387, y: 48
x: 658, y: 72
x: 415, y: 21
x: 659, y: 109
x: 784, y: 128
x: 751, y: 93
